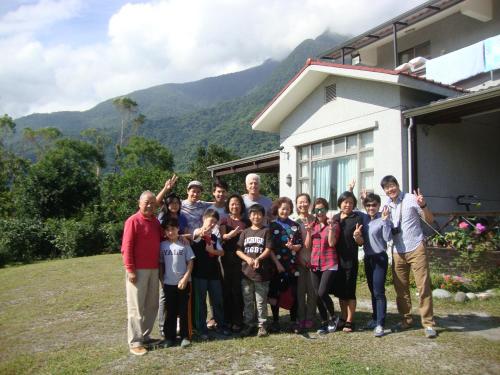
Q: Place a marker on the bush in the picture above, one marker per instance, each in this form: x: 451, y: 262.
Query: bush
x: 23, y: 240
x: 73, y: 238
x: 112, y: 236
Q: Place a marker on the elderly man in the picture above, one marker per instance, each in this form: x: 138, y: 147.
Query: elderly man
x: 140, y: 252
x: 409, y: 253
x: 253, y: 196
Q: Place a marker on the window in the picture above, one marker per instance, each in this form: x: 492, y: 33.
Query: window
x: 334, y: 164
x: 423, y: 50
x: 330, y: 93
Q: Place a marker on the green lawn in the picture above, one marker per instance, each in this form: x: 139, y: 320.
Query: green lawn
x: 69, y: 317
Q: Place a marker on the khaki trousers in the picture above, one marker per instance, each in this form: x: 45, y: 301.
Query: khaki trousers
x: 142, y: 306
x: 415, y: 261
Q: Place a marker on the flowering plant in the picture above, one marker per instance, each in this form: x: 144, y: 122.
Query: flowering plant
x: 471, y: 239
x: 454, y: 283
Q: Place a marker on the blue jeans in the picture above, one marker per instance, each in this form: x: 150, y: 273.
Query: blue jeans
x: 376, y: 270
x: 214, y: 289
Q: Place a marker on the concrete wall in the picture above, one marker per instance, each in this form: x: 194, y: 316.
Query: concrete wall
x: 446, y: 35
x: 456, y: 159
x: 360, y: 105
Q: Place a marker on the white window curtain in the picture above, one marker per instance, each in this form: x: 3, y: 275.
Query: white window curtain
x: 322, y: 177
x: 347, y: 170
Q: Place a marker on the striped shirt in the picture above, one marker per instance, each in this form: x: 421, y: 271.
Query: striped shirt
x: 411, y: 234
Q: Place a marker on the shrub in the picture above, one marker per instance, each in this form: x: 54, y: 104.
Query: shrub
x: 73, y: 238
x: 23, y: 240
x: 112, y: 236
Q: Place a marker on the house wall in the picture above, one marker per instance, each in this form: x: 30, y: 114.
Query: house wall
x: 447, y: 35
x: 360, y: 105
x: 459, y: 159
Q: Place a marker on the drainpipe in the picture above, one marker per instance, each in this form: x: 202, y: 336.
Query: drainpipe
x: 410, y: 155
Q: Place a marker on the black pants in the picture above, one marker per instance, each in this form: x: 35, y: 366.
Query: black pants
x: 322, y: 282
x: 274, y: 292
x: 231, y: 291
x: 176, y: 304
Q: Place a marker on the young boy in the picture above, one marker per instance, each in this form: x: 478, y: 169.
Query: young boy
x: 254, y: 248
x: 207, y: 275
x: 176, y: 265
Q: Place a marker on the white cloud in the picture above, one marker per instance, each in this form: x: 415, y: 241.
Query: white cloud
x: 158, y: 42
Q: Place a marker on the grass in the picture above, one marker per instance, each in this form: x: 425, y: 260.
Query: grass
x: 69, y: 317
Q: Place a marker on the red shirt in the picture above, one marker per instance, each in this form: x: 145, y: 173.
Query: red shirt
x: 323, y: 256
x: 141, y: 242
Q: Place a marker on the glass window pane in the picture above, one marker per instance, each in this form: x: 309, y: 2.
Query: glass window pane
x: 304, y: 187
x: 366, y: 181
x: 352, y: 142
x: 326, y: 148
x: 304, y: 170
x: 316, y: 150
x: 366, y: 139
x: 339, y: 145
x: 304, y: 153
x: 366, y: 161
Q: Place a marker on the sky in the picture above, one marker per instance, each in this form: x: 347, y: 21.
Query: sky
x: 58, y: 55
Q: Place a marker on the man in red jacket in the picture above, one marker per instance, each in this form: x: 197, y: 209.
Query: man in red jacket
x: 140, y: 251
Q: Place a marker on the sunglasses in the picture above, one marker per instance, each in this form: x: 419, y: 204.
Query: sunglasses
x: 371, y: 205
x: 320, y: 210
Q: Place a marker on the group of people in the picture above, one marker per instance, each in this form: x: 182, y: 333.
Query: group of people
x: 245, y: 252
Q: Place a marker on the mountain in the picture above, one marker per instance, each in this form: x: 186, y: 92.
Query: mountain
x: 212, y: 110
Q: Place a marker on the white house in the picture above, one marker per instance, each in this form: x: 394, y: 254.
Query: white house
x: 433, y: 123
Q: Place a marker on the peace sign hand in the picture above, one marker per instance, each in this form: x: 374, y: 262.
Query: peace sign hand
x: 385, y: 213
x: 420, y: 198
x: 357, y: 232
x: 170, y: 183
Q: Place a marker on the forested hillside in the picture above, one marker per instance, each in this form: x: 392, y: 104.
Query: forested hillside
x: 215, y: 110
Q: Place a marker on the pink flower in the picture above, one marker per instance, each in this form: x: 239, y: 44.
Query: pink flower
x: 463, y: 225
x: 480, y: 228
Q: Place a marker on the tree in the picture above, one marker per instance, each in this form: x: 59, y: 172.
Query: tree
x: 7, y: 127
x: 146, y: 153
x: 41, y: 139
x: 213, y: 154
x: 61, y: 183
x: 100, y: 141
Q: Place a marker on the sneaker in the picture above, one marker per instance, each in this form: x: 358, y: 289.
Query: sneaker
x: 211, y: 324
x: 296, y: 328
x: 151, y: 343
x: 168, y: 343
x: 204, y: 337
x: 223, y: 331
x: 262, y: 332
x: 185, y: 343
x: 247, y: 331
x: 323, y: 330
x: 275, y: 327
x: 138, y: 350
x: 372, y: 324
x: 401, y: 327
x: 332, y: 324
x: 430, y: 332
x: 378, y: 331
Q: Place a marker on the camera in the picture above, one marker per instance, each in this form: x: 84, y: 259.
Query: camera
x: 396, y: 230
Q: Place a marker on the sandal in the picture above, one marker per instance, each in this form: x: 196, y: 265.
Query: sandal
x: 348, y: 327
x: 340, y: 324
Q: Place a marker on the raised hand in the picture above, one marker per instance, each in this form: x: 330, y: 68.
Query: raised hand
x: 420, y: 198
x: 351, y: 185
x: 385, y: 213
x: 357, y: 232
x: 363, y: 194
x: 236, y: 231
x: 170, y: 183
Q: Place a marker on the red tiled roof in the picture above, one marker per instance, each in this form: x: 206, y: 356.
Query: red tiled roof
x: 354, y: 67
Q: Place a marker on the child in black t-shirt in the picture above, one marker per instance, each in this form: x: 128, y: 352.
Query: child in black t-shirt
x: 207, y: 275
x: 254, y: 248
